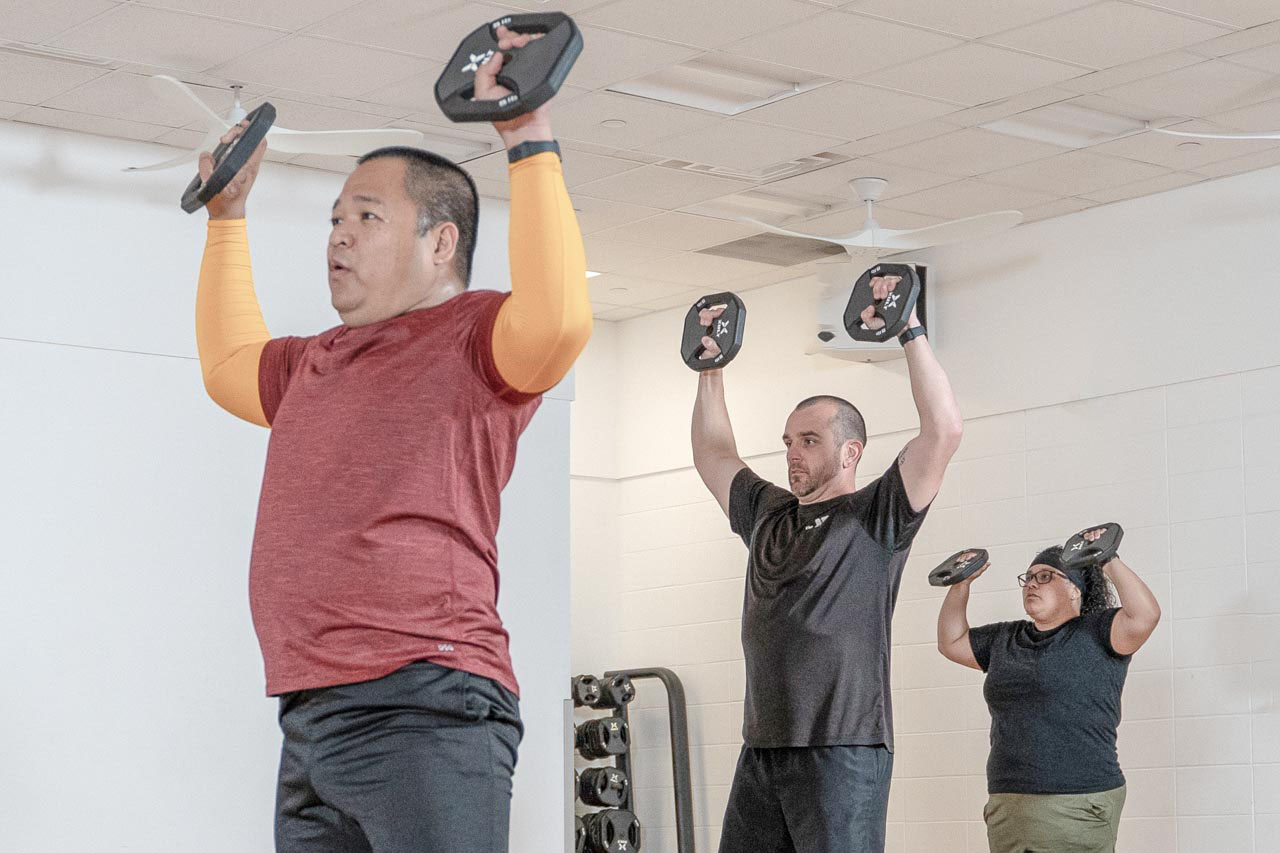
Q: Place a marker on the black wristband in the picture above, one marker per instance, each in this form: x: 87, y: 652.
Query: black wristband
x: 528, y: 149
x: 911, y: 334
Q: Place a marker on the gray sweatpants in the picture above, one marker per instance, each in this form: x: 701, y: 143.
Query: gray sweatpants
x: 419, y: 761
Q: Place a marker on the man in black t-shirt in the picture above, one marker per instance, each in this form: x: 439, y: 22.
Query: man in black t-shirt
x: 825, y: 562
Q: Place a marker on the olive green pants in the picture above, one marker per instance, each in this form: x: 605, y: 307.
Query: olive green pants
x: 1054, y: 823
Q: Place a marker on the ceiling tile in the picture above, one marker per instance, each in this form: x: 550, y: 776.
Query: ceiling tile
x: 9, y: 109
x: 679, y: 300
x: 971, y: 18
x: 611, y: 57
x: 297, y: 115
x: 895, y: 138
x: 493, y: 189
x: 1178, y: 153
x: 341, y: 164
x: 646, y: 121
x: 606, y: 151
x: 492, y: 167
x: 1130, y: 71
x: 34, y: 23
x: 849, y: 111
x: 680, y: 231
x: 1108, y: 34
x: 707, y: 23
x: 1258, y: 118
x: 617, y: 315
x: 321, y: 65
x: 160, y: 37
x: 841, y: 45
x: 32, y: 80
x: 1074, y: 173
x: 429, y: 28
x: 416, y: 92
x: 1237, y: 13
x: 974, y: 74
x: 583, y: 168
x: 1265, y: 58
x: 1006, y: 107
x: 605, y: 255
x: 354, y: 105
x: 569, y: 7
x: 1151, y: 186
x: 98, y: 125
x: 970, y: 152
x: 969, y: 198
x: 1199, y: 90
x: 629, y: 290
x: 742, y: 146
x: 1060, y: 207
x: 1236, y: 165
x: 129, y: 97
x: 660, y: 187
x: 833, y: 182
x: 695, y: 270
x: 596, y: 214
x: 285, y: 14
x: 1239, y: 41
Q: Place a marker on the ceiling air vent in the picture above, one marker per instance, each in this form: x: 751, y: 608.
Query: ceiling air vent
x: 774, y: 249
x: 722, y: 83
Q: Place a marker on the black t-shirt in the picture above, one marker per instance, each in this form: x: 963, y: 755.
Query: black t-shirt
x: 1055, y: 705
x: 822, y: 581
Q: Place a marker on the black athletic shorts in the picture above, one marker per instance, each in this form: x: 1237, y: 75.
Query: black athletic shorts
x: 420, y: 760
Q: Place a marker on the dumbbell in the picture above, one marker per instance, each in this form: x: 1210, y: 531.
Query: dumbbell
x: 601, y: 738
x: 958, y: 567
x: 615, y: 691
x: 585, y: 690
x: 229, y: 158
x: 612, y: 831
x: 533, y: 73
x: 892, y: 313
x: 719, y: 316
x: 1079, y: 553
x: 603, y: 786
x: 579, y: 835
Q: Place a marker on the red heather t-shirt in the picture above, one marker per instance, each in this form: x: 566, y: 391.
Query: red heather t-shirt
x: 375, y: 542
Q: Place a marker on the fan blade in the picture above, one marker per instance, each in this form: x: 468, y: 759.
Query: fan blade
x: 1273, y: 134
x: 352, y: 142
x: 773, y: 229
x: 207, y: 144
x: 179, y: 94
x: 955, y: 231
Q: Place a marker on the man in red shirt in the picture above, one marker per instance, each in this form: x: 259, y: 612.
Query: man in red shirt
x: 374, y: 579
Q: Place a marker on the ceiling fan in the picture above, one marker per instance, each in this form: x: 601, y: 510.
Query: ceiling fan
x: 1269, y: 134
x: 873, y: 236
x: 352, y: 142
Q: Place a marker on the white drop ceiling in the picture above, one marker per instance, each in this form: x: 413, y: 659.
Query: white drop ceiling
x: 912, y: 82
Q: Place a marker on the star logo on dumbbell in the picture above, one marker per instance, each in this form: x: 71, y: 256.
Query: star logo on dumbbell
x: 722, y: 327
x: 477, y: 59
x: 891, y: 301
x: 1077, y: 546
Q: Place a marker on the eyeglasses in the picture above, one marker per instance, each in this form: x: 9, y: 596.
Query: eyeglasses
x: 1042, y: 577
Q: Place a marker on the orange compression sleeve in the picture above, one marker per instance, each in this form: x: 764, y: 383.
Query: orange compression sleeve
x: 546, y: 321
x: 230, y: 331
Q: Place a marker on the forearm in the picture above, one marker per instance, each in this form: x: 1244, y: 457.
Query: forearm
x: 546, y: 321
x: 931, y: 389
x: 953, y: 618
x: 1137, y: 599
x: 230, y: 331
x: 712, y: 431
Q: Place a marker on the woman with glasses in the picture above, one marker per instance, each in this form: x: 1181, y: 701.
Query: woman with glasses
x: 1053, y: 688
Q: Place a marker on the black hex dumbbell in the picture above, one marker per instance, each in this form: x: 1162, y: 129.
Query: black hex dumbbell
x: 602, y: 737
x: 612, y: 831
x: 603, y: 786
x: 615, y: 692
x: 585, y: 690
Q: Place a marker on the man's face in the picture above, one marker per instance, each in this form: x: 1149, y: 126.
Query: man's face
x: 378, y: 265
x: 813, y: 454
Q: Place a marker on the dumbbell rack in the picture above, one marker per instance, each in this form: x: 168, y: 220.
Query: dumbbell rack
x: 679, y: 720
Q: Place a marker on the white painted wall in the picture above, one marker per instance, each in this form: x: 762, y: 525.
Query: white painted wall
x: 133, y: 714
x: 1161, y: 411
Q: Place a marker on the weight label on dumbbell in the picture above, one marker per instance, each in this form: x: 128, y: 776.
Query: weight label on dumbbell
x: 477, y: 59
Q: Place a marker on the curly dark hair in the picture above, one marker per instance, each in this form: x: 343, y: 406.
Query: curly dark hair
x: 1097, y: 592
x: 1096, y: 595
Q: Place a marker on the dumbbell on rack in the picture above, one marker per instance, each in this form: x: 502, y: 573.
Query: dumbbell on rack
x: 615, y: 828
